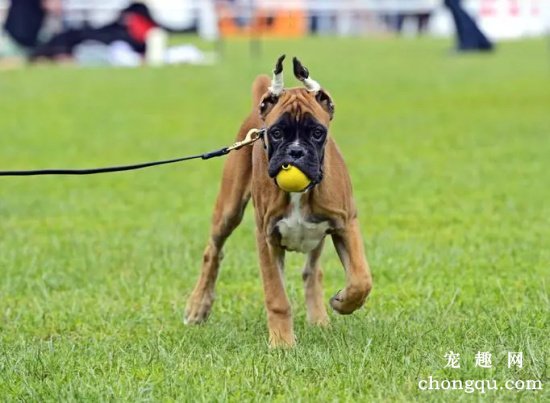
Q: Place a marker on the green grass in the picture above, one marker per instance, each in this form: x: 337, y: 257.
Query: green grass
x: 450, y: 160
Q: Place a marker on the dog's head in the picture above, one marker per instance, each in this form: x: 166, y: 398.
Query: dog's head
x: 297, y: 122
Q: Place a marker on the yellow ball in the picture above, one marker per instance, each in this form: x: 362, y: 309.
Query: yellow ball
x: 291, y: 179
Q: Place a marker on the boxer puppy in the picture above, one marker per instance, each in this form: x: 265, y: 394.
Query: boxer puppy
x: 297, y: 124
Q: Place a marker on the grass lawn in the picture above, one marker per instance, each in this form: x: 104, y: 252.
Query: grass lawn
x: 450, y: 161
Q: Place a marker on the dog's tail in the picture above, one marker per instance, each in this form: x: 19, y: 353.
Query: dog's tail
x: 259, y: 88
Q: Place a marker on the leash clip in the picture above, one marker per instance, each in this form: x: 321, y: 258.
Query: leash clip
x: 252, y: 136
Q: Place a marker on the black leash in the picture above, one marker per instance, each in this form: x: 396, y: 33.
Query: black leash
x: 251, y: 137
x: 91, y: 171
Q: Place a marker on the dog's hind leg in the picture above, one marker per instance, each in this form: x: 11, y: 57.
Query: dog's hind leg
x: 228, y: 211
x: 313, y: 288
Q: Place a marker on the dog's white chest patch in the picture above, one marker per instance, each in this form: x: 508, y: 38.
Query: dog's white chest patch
x: 297, y: 234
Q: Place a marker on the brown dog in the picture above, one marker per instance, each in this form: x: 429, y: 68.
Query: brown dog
x: 296, y: 122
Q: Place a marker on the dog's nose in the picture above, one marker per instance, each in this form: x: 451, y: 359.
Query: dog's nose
x: 295, y: 152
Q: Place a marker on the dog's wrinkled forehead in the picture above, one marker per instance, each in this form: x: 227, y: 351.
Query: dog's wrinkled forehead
x: 296, y: 103
x: 312, y: 98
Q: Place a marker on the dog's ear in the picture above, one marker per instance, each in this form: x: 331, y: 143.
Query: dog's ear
x: 325, y: 101
x: 267, y: 103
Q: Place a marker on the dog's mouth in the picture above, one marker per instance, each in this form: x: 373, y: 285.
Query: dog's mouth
x: 292, y: 179
x: 310, y: 170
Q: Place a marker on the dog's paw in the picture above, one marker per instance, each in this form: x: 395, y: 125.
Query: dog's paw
x: 345, y: 301
x: 197, y: 310
x: 323, y: 321
x: 318, y: 318
x: 278, y: 341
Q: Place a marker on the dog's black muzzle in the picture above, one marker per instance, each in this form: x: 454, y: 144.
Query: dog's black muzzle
x: 306, y: 159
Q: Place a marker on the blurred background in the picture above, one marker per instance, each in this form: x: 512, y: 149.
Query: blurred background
x: 119, y: 32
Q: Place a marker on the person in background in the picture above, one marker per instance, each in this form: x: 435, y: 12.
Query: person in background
x: 24, y: 21
x: 469, y: 36
x: 422, y: 19
x: 130, y: 27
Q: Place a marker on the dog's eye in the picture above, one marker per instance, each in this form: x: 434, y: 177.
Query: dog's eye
x: 318, y: 134
x: 276, y: 134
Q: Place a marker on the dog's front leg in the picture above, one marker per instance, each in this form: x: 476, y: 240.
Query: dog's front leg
x: 349, y: 246
x: 279, y: 316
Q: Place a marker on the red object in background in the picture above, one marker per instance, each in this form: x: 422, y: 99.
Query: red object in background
x: 138, y: 26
